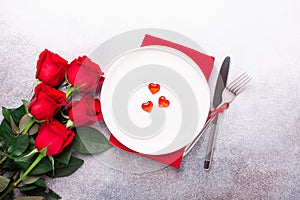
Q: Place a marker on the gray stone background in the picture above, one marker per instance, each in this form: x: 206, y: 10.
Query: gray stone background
x: 257, y: 153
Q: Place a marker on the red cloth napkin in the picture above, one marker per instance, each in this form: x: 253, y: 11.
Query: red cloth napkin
x: 204, y: 62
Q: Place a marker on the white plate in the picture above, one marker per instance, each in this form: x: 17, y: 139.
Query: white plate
x: 125, y: 88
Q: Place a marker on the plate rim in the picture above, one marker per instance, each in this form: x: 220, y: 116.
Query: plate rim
x: 167, y: 49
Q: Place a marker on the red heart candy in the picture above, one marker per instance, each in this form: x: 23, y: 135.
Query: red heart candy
x: 154, y: 88
x: 147, y: 106
x: 163, y: 102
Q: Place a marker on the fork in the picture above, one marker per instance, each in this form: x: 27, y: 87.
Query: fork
x: 228, y: 95
x: 235, y: 87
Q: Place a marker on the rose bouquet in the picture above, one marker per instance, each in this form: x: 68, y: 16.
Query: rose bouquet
x: 40, y: 137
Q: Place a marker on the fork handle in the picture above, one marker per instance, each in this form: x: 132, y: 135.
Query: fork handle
x: 223, y: 106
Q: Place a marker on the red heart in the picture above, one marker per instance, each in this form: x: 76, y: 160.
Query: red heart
x: 147, y: 106
x: 154, y: 88
x: 163, y: 102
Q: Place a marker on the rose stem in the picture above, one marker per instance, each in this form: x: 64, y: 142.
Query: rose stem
x: 37, y: 160
x: 70, y: 91
x: 10, y: 187
x: 12, y: 174
x: 3, y: 159
x: 30, y: 123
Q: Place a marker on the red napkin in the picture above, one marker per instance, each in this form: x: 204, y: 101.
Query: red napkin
x: 204, y: 62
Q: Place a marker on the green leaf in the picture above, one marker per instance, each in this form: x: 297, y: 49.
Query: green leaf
x: 9, y: 165
x: 52, y: 163
x: 30, y: 185
x: 6, y: 113
x: 31, y: 198
x: 66, y: 170
x: 64, y: 156
x: 28, y: 156
x: 89, y: 141
x: 45, y: 192
x: 43, y: 167
x: 34, y: 129
x: 2, y: 145
x: 16, y: 113
x: 4, y: 182
x: 39, y: 188
x: 6, y: 134
x: 14, y: 126
x: 30, y: 179
x: 27, y: 187
x: 24, y: 164
x: 19, y: 145
x: 25, y: 104
x: 23, y: 122
x: 40, y: 183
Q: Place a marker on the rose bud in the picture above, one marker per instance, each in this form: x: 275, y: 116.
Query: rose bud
x: 53, y: 135
x: 46, y: 101
x: 51, y: 68
x: 85, y: 112
x: 84, y: 73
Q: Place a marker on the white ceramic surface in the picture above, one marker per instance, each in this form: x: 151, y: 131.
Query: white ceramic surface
x: 164, y: 66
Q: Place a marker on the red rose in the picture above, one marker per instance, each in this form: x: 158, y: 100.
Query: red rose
x: 45, y: 102
x: 84, y: 73
x: 53, y: 135
x: 51, y: 68
x: 85, y: 112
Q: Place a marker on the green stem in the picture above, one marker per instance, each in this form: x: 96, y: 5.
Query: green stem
x: 12, y: 174
x: 30, y: 123
x: 5, y: 155
x: 7, y: 191
x: 3, y: 159
x: 64, y: 116
x: 10, y: 187
x: 30, y: 168
x: 66, y: 79
x: 70, y: 91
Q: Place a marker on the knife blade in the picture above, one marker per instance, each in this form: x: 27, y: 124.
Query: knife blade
x: 220, y: 86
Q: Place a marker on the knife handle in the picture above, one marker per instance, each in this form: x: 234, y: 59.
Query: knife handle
x: 211, y: 144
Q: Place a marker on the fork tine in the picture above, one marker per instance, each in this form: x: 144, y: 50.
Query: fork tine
x: 238, y: 82
x: 232, y: 83
x: 241, y: 81
x: 242, y: 85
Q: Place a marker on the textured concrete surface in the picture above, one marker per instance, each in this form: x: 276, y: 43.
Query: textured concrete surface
x: 257, y: 154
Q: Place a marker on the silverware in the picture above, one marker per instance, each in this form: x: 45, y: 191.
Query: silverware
x: 235, y: 87
x: 228, y: 95
x: 220, y: 85
x: 189, y: 147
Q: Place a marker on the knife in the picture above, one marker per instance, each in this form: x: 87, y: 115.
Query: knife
x: 220, y: 86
